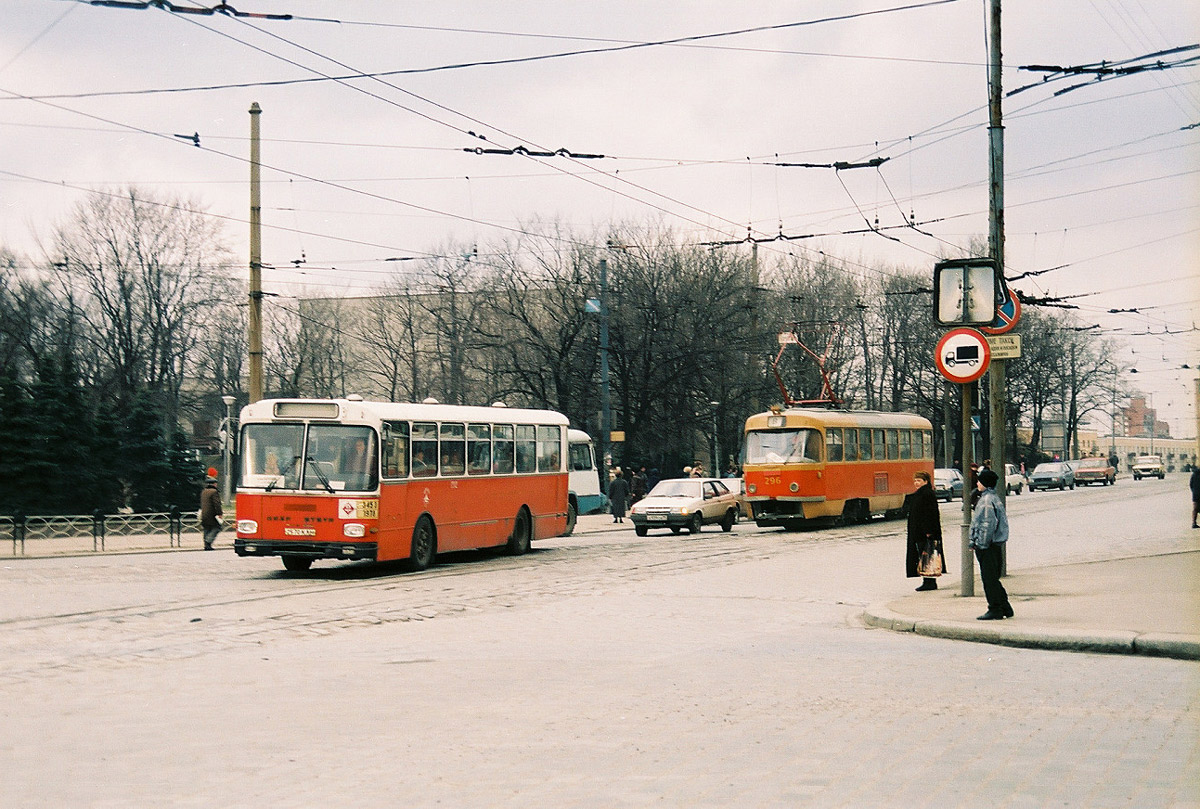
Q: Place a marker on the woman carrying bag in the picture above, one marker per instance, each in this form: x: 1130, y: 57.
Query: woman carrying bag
x: 925, y: 557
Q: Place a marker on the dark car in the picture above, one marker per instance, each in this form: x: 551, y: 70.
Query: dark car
x: 947, y: 484
x: 1052, y: 475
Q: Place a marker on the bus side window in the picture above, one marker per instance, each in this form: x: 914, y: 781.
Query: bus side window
x: 454, y: 450
x: 424, y: 450
x: 851, y: 444
x: 502, y: 450
x: 526, y: 448
x: 833, y: 444
x: 906, y: 445
x: 549, y: 449
x: 479, y: 449
x: 395, y: 449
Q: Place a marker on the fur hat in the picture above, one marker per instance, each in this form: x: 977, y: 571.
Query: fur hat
x: 988, y: 478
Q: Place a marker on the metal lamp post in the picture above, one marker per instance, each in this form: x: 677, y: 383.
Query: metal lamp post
x: 225, y: 447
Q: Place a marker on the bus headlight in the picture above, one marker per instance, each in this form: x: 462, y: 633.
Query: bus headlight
x: 354, y: 529
x: 247, y: 526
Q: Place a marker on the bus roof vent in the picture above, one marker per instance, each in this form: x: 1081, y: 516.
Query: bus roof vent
x: 354, y: 397
x: 499, y: 404
x: 430, y: 400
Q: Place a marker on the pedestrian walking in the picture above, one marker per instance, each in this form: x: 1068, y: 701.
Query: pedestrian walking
x: 618, y: 491
x: 639, y: 485
x: 1195, y: 484
x: 989, y: 530
x: 924, y: 534
x: 210, y: 509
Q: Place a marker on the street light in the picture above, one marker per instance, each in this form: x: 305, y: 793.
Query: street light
x: 225, y: 446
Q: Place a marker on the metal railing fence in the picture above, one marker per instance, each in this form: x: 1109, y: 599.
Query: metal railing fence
x: 98, y: 525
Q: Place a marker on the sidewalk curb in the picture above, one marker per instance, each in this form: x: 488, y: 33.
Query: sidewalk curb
x: 1003, y: 633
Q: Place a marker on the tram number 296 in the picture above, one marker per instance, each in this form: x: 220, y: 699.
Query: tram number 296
x: 772, y: 480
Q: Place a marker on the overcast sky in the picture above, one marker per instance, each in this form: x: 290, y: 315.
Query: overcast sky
x: 1102, y: 182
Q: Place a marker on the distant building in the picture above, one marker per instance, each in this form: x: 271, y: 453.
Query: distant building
x: 1140, y: 421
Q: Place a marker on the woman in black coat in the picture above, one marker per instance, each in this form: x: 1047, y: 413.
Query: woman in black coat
x: 924, y: 528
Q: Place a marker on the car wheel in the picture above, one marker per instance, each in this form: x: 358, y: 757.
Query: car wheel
x: 1162, y: 477
x: 423, y: 545
x: 1020, y: 486
x: 296, y: 564
x: 696, y: 524
x: 675, y: 529
x: 640, y: 530
x: 728, y: 520
x: 1072, y: 487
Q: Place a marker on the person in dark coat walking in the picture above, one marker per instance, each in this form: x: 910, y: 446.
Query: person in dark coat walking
x: 924, y: 528
x: 1195, y: 484
x: 618, y: 491
x: 210, y: 510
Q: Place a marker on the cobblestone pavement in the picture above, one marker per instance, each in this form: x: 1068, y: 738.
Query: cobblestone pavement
x: 601, y: 670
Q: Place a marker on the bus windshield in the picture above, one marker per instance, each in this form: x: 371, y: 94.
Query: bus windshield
x: 334, y: 457
x: 783, y: 446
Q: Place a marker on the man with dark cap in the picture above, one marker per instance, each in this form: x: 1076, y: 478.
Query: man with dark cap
x: 210, y: 509
x: 989, y: 530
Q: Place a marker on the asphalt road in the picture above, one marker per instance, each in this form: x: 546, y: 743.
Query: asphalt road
x: 600, y: 670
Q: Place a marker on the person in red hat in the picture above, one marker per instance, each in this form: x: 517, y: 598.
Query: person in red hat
x: 210, y: 509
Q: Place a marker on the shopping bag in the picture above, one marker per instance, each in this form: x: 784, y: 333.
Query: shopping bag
x: 930, y: 564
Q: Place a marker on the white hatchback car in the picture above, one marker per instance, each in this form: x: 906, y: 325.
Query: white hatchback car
x: 688, y: 503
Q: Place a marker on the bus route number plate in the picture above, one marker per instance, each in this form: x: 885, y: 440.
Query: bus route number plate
x: 358, y: 509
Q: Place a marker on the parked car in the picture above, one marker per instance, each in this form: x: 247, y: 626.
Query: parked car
x: 948, y: 484
x: 1014, y: 481
x: 1149, y: 466
x: 688, y: 503
x: 1052, y: 475
x: 1095, y: 470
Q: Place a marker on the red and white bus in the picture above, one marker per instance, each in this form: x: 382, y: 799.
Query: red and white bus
x: 803, y: 464
x: 352, y: 479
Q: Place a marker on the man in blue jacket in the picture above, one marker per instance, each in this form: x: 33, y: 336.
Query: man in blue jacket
x: 989, y: 530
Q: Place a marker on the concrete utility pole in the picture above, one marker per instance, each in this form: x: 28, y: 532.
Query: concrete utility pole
x: 997, y: 395
x: 255, y: 319
x: 605, y: 415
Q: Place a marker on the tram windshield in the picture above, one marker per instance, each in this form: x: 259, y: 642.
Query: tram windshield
x: 783, y: 446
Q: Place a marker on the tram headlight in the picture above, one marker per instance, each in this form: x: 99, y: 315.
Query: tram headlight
x: 354, y: 529
x: 751, y: 488
x: 795, y: 487
x: 247, y: 526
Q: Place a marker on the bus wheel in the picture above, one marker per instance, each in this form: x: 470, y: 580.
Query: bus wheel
x: 518, y: 543
x: 297, y: 564
x: 728, y: 520
x: 696, y: 524
x: 423, y: 545
x: 572, y: 517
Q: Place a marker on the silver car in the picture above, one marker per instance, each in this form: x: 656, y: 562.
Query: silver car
x: 1052, y: 475
x: 689, y: 503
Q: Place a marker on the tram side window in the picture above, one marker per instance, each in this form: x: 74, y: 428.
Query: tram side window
x: 454, y: 449
x: 502, y: 450
x: 906, y: 445
x: 395, y: 449
x: 549, y: 449
x: 479, y: 449
x: 927, y: 443
x: 864, y: 445
x: 833, y: 444
x: 893, y: 445
x: 526, y: 448
x: 424, y: 450
x: 879, y: 445
x: 851, y: 451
